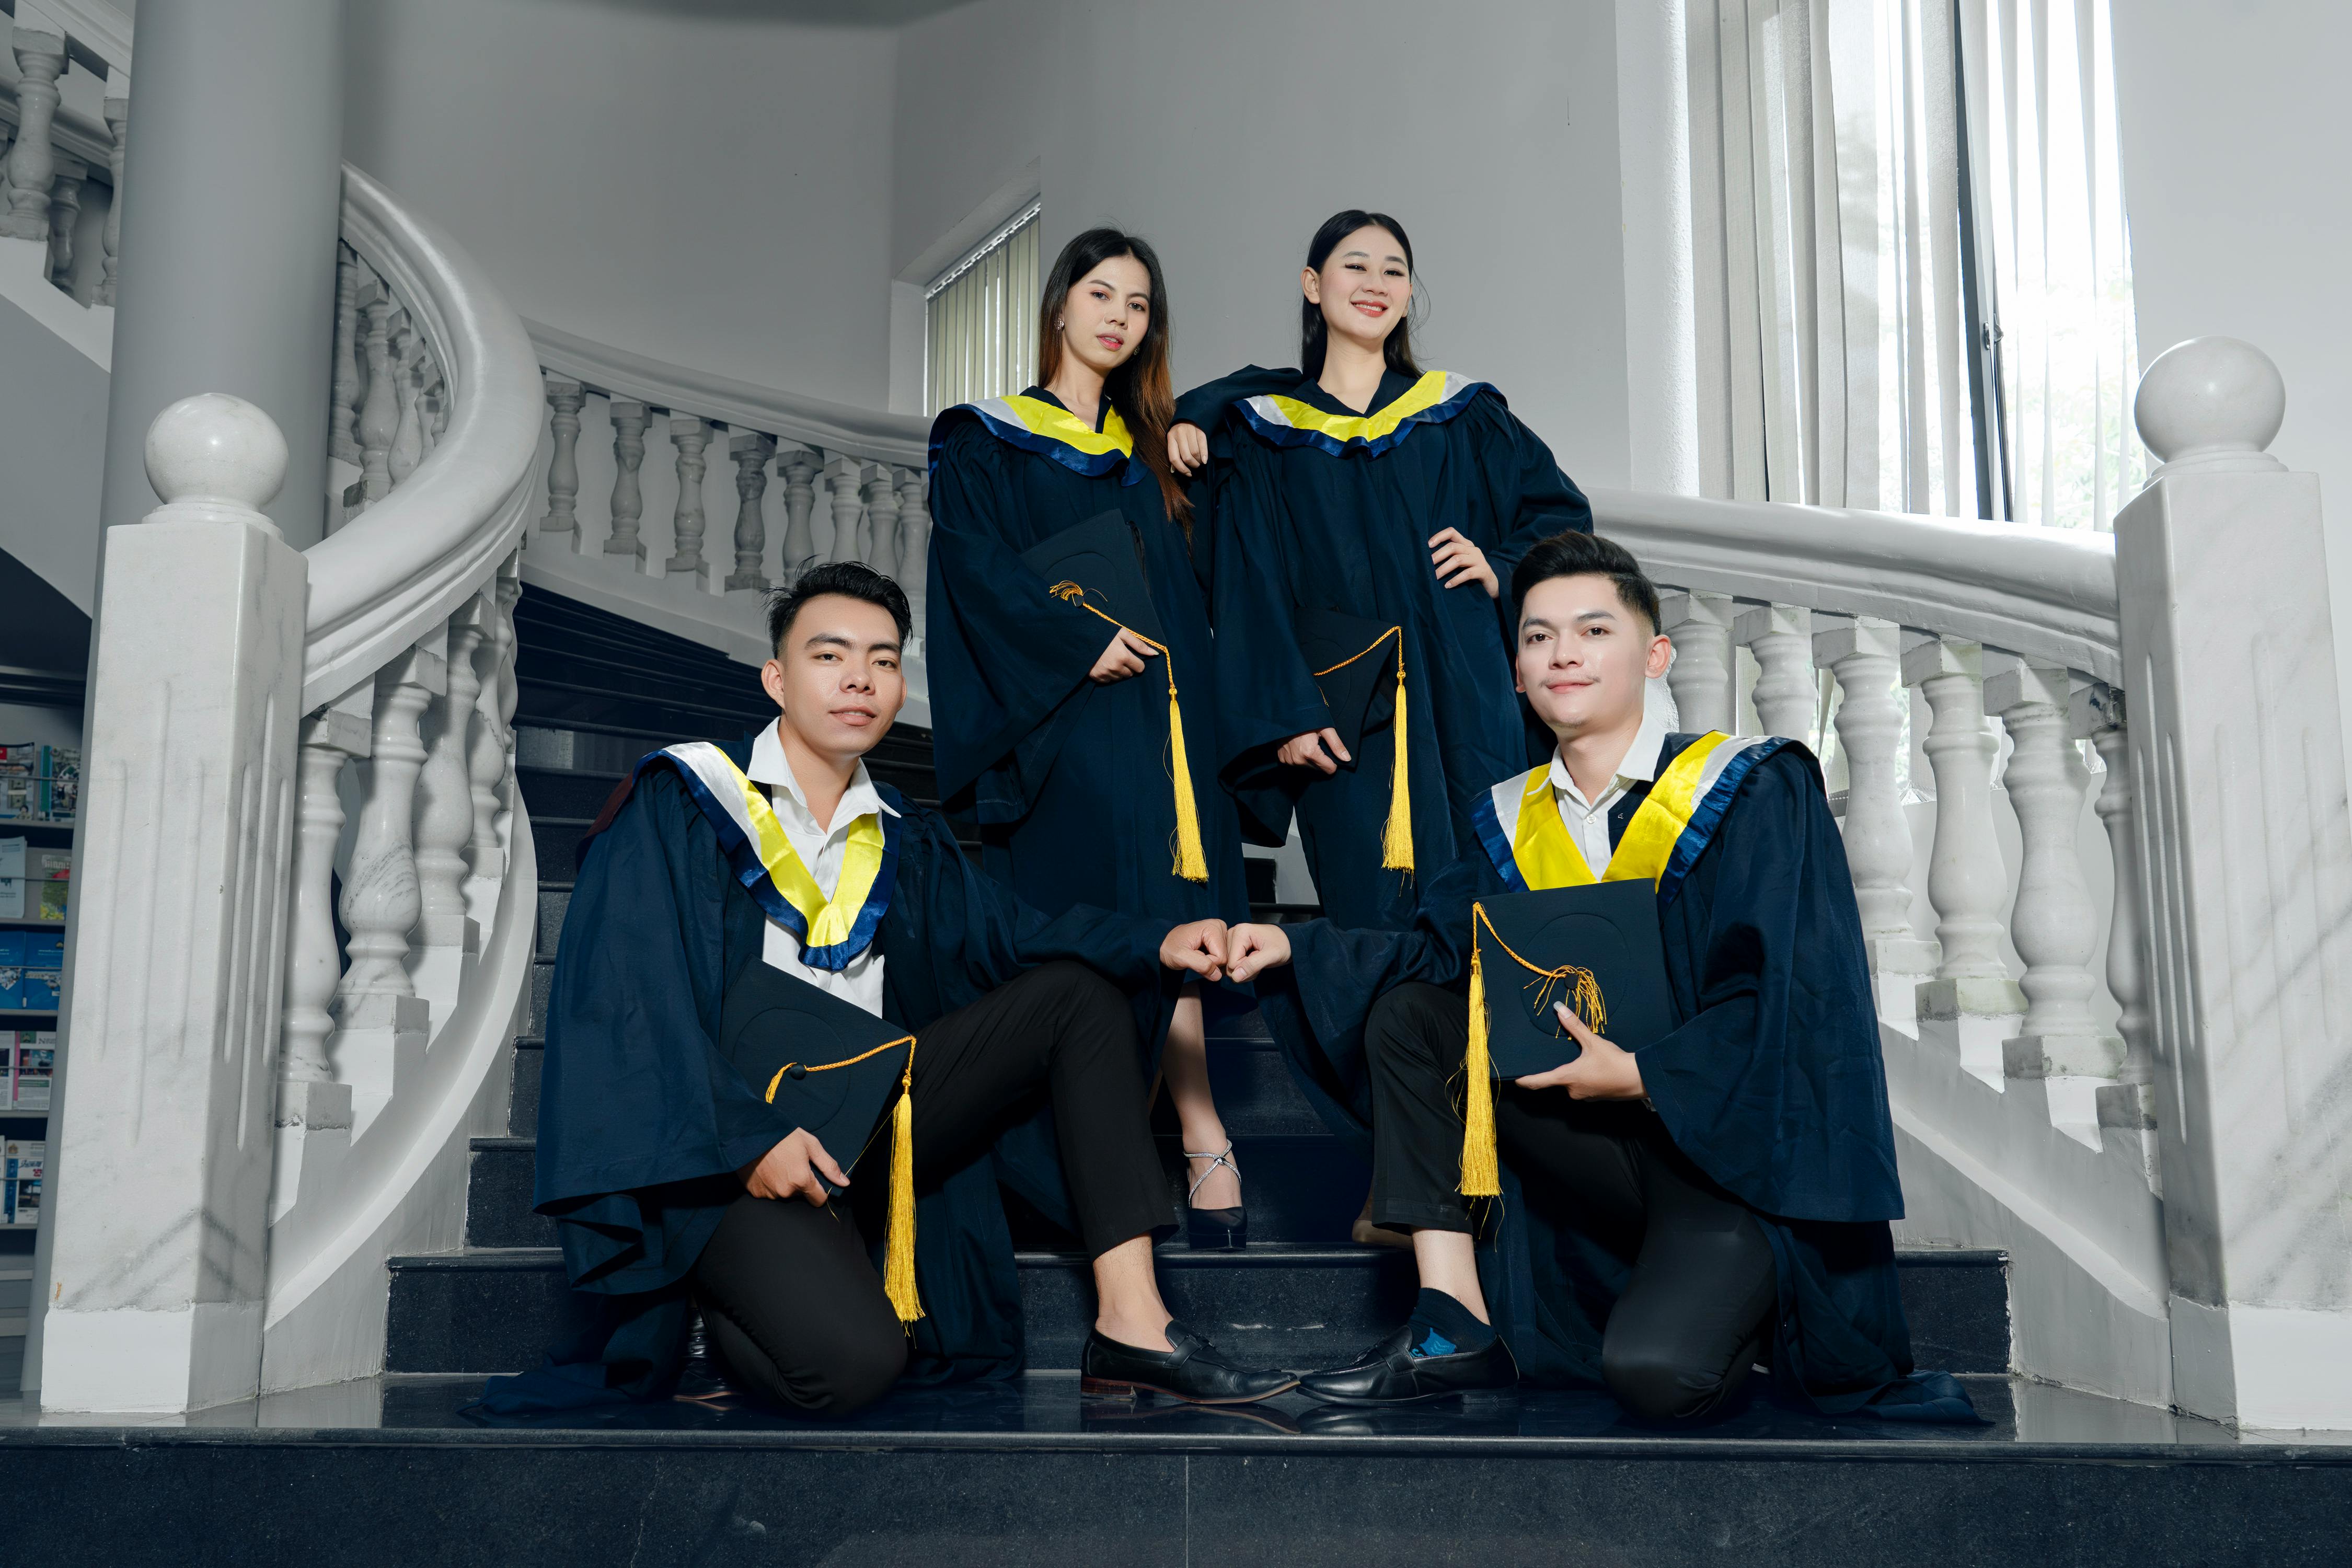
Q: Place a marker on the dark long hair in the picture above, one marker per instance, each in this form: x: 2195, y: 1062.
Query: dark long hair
x: 1138, y: 388
x: 1313, y: 334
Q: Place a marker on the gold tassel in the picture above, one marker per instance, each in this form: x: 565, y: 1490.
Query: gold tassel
x: 1192, y: 863
x: 1481, y: 1176
x: 1396, y: 842
x: 898, y: 1251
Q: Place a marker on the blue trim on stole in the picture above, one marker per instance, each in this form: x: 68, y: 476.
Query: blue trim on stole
x: 743, y: 862
x: 1708, y: 815
x: 1498, y: 843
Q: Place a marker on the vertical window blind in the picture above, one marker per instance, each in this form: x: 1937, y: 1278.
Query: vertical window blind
x: 1914, y: 285
x: 982, y: 318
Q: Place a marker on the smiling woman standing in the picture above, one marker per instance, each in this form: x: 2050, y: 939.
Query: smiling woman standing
x: 1400, y: 499
x: 1085, y: 749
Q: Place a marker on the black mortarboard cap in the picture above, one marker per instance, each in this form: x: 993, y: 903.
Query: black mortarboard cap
x: 1099, y: 563
x: 1596, y: 948
x: 1354, y: 664
x: 828, y: 1065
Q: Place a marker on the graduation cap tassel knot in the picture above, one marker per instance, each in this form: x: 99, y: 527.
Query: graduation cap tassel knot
x: 1482, y: 1175
x: 1396, y: 841
x: 898, y: 1260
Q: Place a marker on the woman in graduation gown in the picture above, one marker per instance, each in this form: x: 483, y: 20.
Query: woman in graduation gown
x: 1362, y: 484
x: 1087, y: 751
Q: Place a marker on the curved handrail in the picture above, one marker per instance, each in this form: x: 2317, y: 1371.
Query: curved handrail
x: 899, y: 438
x: 402, y: 567
x: 2045, y: 592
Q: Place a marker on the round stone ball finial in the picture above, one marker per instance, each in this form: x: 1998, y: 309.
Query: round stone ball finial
x: 213, y: 458
x: 2210, y: 404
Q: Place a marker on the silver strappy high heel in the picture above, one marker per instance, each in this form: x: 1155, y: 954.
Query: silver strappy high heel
x: 1215, y: 1230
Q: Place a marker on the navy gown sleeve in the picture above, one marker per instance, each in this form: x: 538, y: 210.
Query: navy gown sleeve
x: 1774, y: 1084
x: 1206, y: 405
x: 1531, y: 497
x: 1002, y: 651
x: 642, y: 1123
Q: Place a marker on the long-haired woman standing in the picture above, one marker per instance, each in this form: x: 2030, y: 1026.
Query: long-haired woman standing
x: 1084, y: 740
x: 1368, y: 500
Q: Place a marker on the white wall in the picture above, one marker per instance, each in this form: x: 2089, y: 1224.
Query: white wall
x: 2236, y: 148
x: 703, y: 184
x: 1224, y: 130
x: 52, y: 452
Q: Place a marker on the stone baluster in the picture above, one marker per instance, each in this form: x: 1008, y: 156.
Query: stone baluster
x: 65, y: 209
x: 842, y: 476
x: 117, y: 120
x: 32, y: 165
x: 1787, y: 688
x: 1701, y: 676
x: 343, y: 416
x: 486, y: 738
x: 1865, y: 656
x: 8, y: 140
x: 377, y: 1002
x: 751, y: 454
x: 2098, y: 715
x: 2053, y: 921
x: 444, y: 399
x: 334, y: 735
x: 502, y: 631
x: 797, y: 466
x: 914, y: 543
x: 1966, y: 882
x: 379, y: 420
x: 882, y: 513
x: 629, y: 421
x: 409, y: 387
x: 445, y: 804
x: 689, y: 435
x: 565, y: 398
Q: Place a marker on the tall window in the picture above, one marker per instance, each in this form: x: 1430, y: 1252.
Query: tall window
x: 983, y: 313
x: 1914, y: 282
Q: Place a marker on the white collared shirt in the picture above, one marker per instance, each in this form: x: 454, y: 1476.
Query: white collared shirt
x: 1588, y: 820
x: 821, y: 850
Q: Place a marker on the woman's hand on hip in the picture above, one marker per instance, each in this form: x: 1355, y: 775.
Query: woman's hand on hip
x: 1458, y: 561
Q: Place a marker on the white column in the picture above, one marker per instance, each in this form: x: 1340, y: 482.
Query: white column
x: 1966, y: 882
x: 161, y: 1147
x: 842, y: 476
x: 1865, y: 656
x: 1699, y: 624
x: 629, y: 421
x: 797, y: 466
x: 564, y: 400
x: 1782, y: 637
x: 2053, y: 923
x: 751, y: 454
x: 32, y: 165
x: 2237, y: 755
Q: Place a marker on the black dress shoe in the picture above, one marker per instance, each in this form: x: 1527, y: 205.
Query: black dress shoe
x: 1390, y: 1374
x: 1193, y: 1370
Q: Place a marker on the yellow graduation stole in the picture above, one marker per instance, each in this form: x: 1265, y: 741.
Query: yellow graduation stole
x: 1396, y: 837
x: 1289, y: 421
x: 1191, y: 861
x: 1542, y: 854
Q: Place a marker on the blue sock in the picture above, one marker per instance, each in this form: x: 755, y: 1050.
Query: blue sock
x: 1444, y: 1326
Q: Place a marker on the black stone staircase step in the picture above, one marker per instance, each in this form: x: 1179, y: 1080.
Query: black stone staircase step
x: 499, y: 1309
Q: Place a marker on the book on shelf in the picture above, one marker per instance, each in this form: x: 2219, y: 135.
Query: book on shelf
x: 12, y: 878
x: 38, y: 782
x: 29, y: 1068
x: 20, y: 1181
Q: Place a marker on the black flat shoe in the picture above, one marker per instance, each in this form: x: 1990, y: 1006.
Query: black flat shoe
x: 1195, y: 1371
x: 1215, y: 1230
x: 1390, y: 1374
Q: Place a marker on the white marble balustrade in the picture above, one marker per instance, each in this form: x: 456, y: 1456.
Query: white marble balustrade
x: 60, y: 168
x: 389, y: 404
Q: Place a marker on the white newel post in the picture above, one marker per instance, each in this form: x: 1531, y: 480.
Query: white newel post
x: 1972, y: 992
x: 2237, y: 760
x: 1699, y: 624
x: 1866, y: 654
x: 157, y: 1279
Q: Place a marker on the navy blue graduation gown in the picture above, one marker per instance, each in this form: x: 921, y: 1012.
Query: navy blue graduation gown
x: 1773, y: 1085
x: 1069, y: 780
x: 1298, y: 523
x: 642, y: 1124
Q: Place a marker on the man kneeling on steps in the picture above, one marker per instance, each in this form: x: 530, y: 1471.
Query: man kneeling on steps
x: 673, y: 1182
x: 1667, y: 1218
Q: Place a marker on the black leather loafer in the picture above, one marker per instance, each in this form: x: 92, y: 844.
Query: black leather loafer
x: 1194, y: 1369
x: 1390, y: 1374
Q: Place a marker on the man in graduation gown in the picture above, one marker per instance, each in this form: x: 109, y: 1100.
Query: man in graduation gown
x: 1670, y: 1217
x: 673, y: 1182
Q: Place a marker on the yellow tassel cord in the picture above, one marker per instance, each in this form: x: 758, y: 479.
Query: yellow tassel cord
x: 898, y: 1252
x: 1396, y: 842
x: 1191, y: 860
x: 1482, y: 1176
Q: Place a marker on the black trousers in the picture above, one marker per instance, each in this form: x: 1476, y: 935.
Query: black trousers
x: 791, y: 1301
x: 1692, y: 1319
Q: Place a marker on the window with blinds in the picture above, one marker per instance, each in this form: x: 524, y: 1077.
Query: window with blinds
x: 982, y: 318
